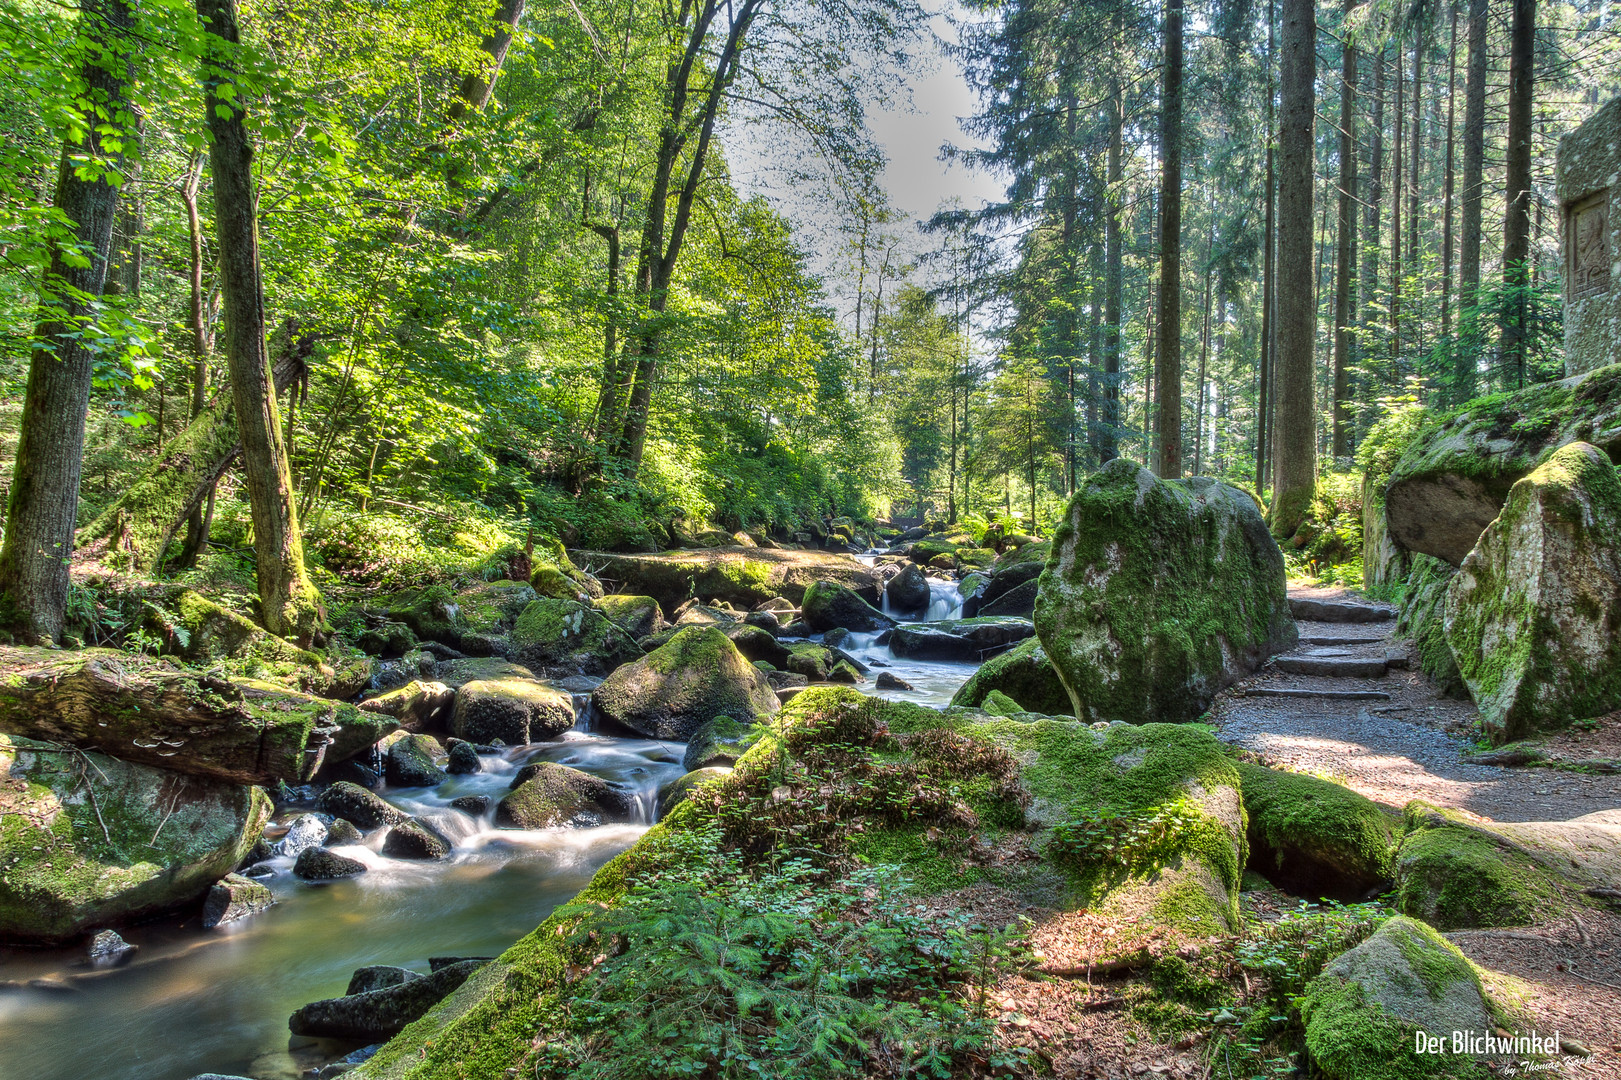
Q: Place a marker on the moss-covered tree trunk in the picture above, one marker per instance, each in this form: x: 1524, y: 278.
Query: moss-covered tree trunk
x: 1295, y: 463
x: 290, y: 604
x: 44, y: 500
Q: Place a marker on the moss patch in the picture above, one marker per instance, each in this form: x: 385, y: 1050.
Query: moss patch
x: 1317, y: 838
x: 1454, y: 875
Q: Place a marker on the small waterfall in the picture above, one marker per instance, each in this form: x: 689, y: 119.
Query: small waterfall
x: 945, y: 600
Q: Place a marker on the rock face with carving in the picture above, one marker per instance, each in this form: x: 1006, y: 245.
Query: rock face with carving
x: 1588, y: 172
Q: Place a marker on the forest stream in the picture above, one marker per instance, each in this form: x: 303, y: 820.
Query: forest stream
x: 195, y: 1001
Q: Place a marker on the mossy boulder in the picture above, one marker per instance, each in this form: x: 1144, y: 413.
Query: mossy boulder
x: 637, y: 616
x: 848, y: 777
x: 1454, y: 477
x: 387, y: 638
x: 720, y: 741
x: 1023, y: 673
x: 475, y: 620
x: 1455, y: 872
x: 358, y: 806
x: 676, y: 792
x: 566, y: 635
x: 828, y: 605
x: 908, y: 591
x: 1316, y: 838
x: 381, y: 1013
x: 811, y: 661
x: 418, y: 705
x: 89, y: 841
x: 549, y: 581
x: 235, y: 897
x: 696, y: 677
x: 458, y: 673
x: 924, y: 552
x: 760, y: 646
x: 549, y: 795
x: 515, y: 711
x: 1363, y: 1012
x: 415, y: 839
x: 410, y: 761
x: 1421, y: 616
x: 963, y: 640
x: 997, y: 703
x: 743, y: 577
x: 1533, y: 616
x: 1159, y: 594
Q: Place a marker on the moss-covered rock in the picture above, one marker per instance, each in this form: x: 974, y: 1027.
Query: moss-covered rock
x: 378, y: 1014
x: 549, y: 581
x: 515, y: 711
x: 1024, y: 674
x: 720, y: 741
x: 475, y: 620
x: 235, y: 897
x: 1159, y: 594
x: 1533, y: 616
x: 418, y: 705
x: 1362, y: 1013
x: 1316, y: 838
x: 458, y: 673
x: 358, y: 806
x: 415, y: 839
x: 849, y: 778
x: 760, y: 646
x: 1454, y: 872
x: 1455, y: 476
x: 908, y: 591
x: 997, y: 703
x: 745, y: 577
x: 87, y: 840
x: 550, y: 795
x: 696, y: 677
x: 411, y: 761
x: 828, y: 606
x: 637, y: 616
x: 568, y: 636
x: 963, y: 640
x: 1421, y: 616
x: 809, y: 660
x: 387, y: 638
x: 677, y: 791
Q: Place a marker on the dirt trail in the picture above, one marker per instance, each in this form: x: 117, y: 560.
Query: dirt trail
x: 1412, y: 746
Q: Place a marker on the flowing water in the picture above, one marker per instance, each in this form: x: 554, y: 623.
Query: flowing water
x: 194, y: 1000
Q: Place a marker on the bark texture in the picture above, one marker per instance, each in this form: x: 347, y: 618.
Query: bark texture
x: 44, y: 498
x: 1474, y: 152
x: 1296, y: 460
x: 1168, y: 373
x: 291, y: 607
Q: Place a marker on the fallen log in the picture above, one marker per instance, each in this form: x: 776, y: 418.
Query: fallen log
x: 147, y: 710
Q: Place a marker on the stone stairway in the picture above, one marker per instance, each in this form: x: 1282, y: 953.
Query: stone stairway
x: 1333, y: 661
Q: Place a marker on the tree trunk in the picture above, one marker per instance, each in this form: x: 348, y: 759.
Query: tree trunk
x: 289, y: 604
x: 44, y: 499
x: 1204, y: 348
x: 1168, y: 374
x: 1373, y: 207
x: 198, y: 523
x: 1398, y: 127
x: 1296, y: 468
x: 1447, y: 185
x: 1265, y: 405
x: 1517, y: 219
x: 1345, y: 252
x: 1109, y: 442
x: 1465, y: 352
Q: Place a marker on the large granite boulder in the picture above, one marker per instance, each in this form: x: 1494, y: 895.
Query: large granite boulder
x: 908, y: 591
x: 1316, y: 838
x: 568, y: 636
x: 515, y: 711
x: 743, y: 577
x: 1455, y: 871
x: 1533, y: 616
x: 1363, y: 1012
x: 1456, y: 474
x: 1159, y: 594
x: 1023, y: 673
x: 963, y: 640
x: 828, y: 606
x: 412, y: 761
x: 418, y: 705
x: 637, y: 616
x: 477, y: 620
x: 87, y: 840
x: 1421, y: 616
x: 547, y: 795
x: 696, y: 677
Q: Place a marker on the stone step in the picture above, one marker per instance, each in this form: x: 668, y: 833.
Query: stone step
x: 1307, y: 609
x: 1338, y: 639
x: 1341, y: 667
x: 1321, y: 695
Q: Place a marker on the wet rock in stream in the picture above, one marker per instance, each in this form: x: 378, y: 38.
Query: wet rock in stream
x: 383, y: 1013
x: 235, y: 897
x: 355, y: 804
x: 319, y: 864
x: 415, y: 840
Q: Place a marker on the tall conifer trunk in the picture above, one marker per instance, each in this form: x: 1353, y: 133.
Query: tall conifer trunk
x: 1466, y: 351
x: 1517, y: 189
x: 1168, y: 373
x: 1296, y: 468
x: 44, y: 502
x: 1345, y: 253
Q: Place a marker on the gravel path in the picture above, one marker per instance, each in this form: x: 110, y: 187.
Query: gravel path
x: 1409, y: 747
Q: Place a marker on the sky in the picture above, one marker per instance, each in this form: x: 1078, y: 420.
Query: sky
x: 911, y: 129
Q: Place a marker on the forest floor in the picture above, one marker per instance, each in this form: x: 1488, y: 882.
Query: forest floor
x: 1418, y: 745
